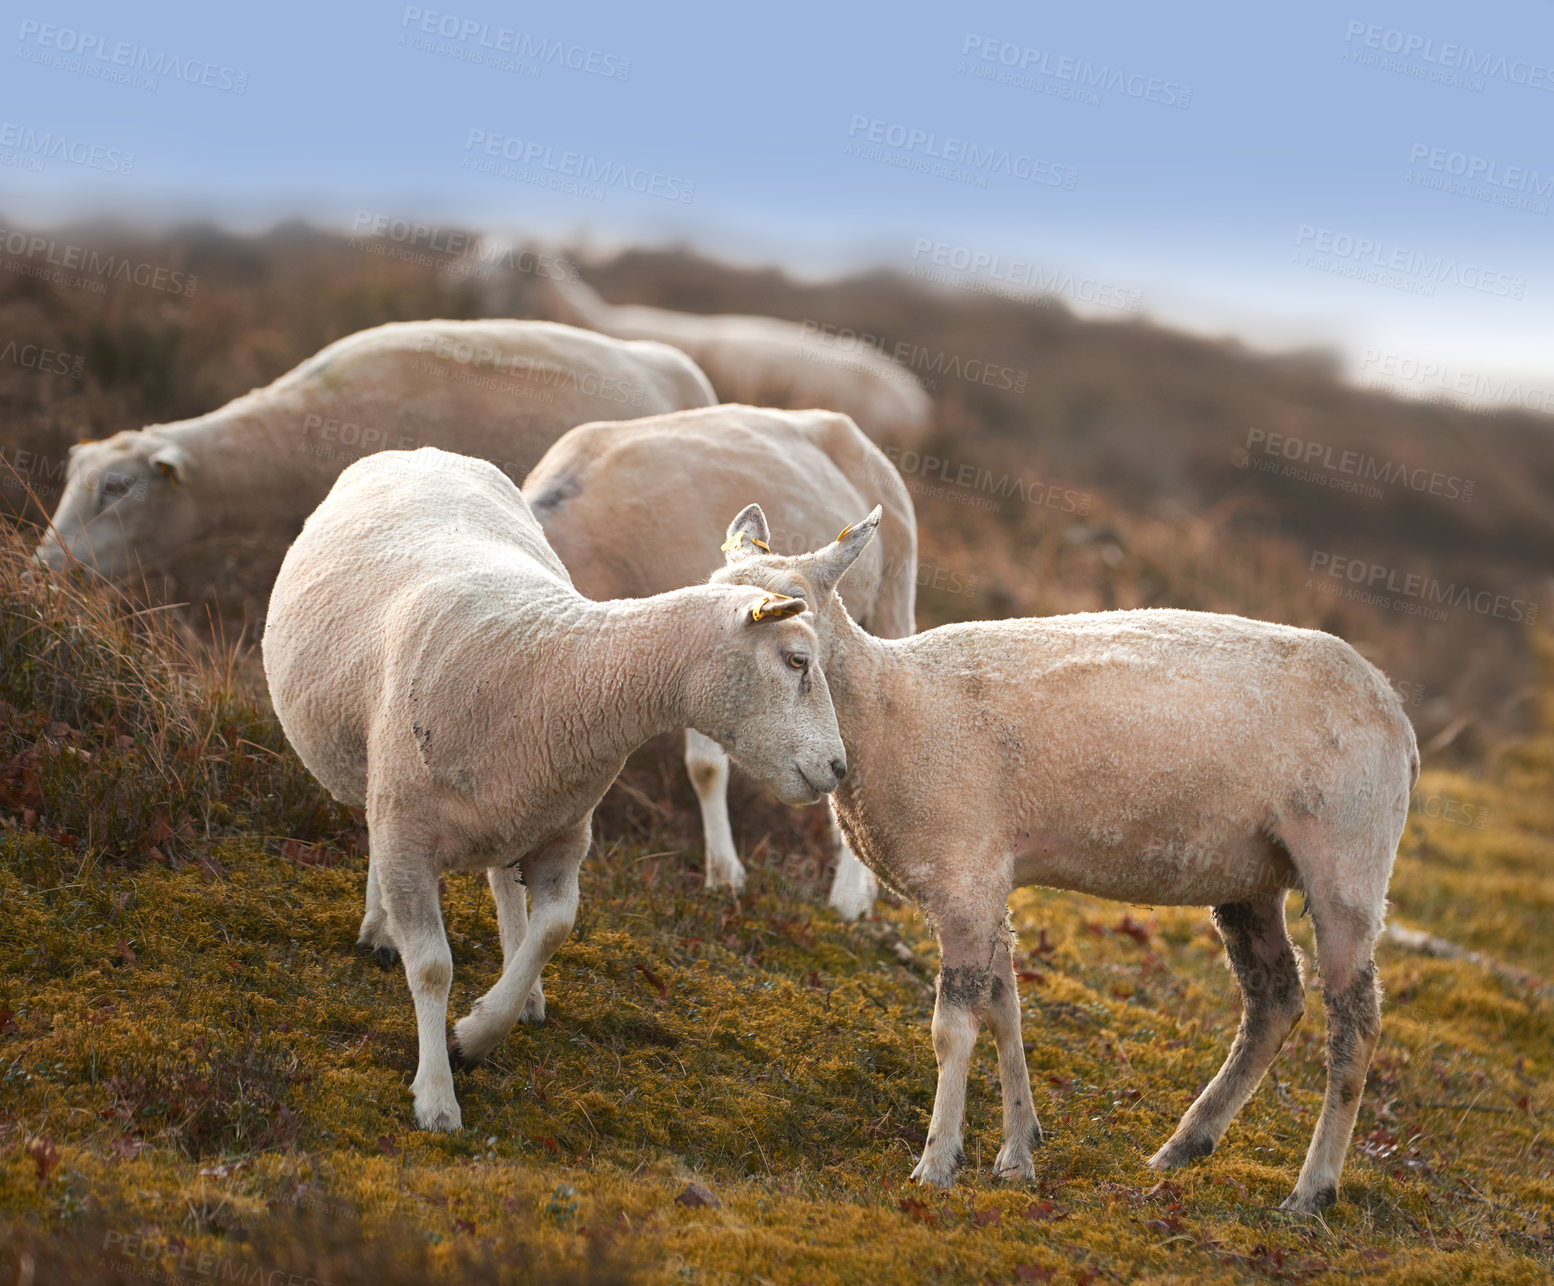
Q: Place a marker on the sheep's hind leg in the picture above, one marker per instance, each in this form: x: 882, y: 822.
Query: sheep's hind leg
x: 967, y: 943
x: 408, y: 884
x: 550, y: 872
x: 707, y: 764
x: 1022, y: 1131
x: 374, y: 937
x: 1352, y: 998
x: 1272, y: 999
x: 512, y: 917
x: 853, y: 887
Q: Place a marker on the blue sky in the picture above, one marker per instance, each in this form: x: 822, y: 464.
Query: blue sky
x: 1375, y: 176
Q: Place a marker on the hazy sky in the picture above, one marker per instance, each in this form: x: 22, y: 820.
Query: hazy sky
x: 1377, y: 176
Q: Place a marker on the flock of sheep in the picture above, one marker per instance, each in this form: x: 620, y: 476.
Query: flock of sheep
x: 471, y: 663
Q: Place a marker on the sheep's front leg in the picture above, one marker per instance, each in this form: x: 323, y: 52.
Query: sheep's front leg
x: 550, y: 872
x: 966, y: 949
x: 512, y: 917
x: 408, y: 885
x: 1022, y: 1131
x: 707, y: 764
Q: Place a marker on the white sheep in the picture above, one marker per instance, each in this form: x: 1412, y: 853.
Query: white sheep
x: 255, y: 468
x: 761, y: 361
x: 431, y: 662
x: 672, y: 480
x: 1155, y: 757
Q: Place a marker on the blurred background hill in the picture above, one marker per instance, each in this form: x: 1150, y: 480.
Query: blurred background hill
x: 1077, y: 464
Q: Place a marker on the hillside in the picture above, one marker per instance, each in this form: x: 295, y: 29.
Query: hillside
x: 1113, y: 470
x: 202, y: 1077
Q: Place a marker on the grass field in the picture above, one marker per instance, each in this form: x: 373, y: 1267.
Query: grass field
x: 202, y: 1081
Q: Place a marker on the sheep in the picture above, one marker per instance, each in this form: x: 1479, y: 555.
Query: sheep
x: 1157, y: 757
x: 761, y: 361
x: 255, y: 468
x: 431, y: 662
x: 676, y: 478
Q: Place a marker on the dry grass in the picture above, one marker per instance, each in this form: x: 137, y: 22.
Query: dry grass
x: 197, y: 1064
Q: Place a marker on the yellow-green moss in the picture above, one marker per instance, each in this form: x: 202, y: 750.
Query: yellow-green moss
x: 198, y: 1058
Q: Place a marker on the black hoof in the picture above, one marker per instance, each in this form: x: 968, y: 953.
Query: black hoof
x: 385, y: 957
x: 457, y: 1058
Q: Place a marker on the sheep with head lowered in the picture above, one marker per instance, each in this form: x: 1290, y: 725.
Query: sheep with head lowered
x: 250, y: 472
x: 673, y: 480
x: 1156, y: 757
x: 431, y: 663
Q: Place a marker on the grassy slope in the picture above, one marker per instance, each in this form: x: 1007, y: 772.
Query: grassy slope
x: 194, y: 1057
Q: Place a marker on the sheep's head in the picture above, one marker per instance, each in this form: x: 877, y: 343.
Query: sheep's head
x: 126, y: 504
x: 762, y: 696
x: 813, y: 576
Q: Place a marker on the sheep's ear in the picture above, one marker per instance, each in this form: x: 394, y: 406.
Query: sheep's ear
x: 748, y: 535
x: 171, y: 461
x: 774, y: 607
x: 828, y: 565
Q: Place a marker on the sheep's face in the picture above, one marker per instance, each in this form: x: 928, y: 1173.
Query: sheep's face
x: 125, y: 505
x: 764, y: 699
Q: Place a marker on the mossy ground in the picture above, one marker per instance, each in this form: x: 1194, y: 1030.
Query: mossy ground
x: 202, y: 1077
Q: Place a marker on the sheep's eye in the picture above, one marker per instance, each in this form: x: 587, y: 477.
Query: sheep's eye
x: 797, y: 661
x: 116, y: 485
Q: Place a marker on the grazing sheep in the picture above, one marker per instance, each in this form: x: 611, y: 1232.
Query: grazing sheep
x: 672, y: 480
x: 1156, y: 757
x: 431, y: 662
x: 254, y: 469
x: 761, y: 361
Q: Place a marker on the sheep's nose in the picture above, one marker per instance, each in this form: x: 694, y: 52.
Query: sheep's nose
x: 839, y: 769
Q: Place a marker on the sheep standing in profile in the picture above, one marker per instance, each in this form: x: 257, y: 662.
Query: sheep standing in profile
x: 251, y: 471
x: 1156, y: 757
x: 431, y: 662
x: 672, y: 480
x: 762, y: 361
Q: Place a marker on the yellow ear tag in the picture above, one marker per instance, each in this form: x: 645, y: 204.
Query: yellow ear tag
x: 170, y: 473
x: 842, y: 535
x: 759, y: 612
x: 734, y: 541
